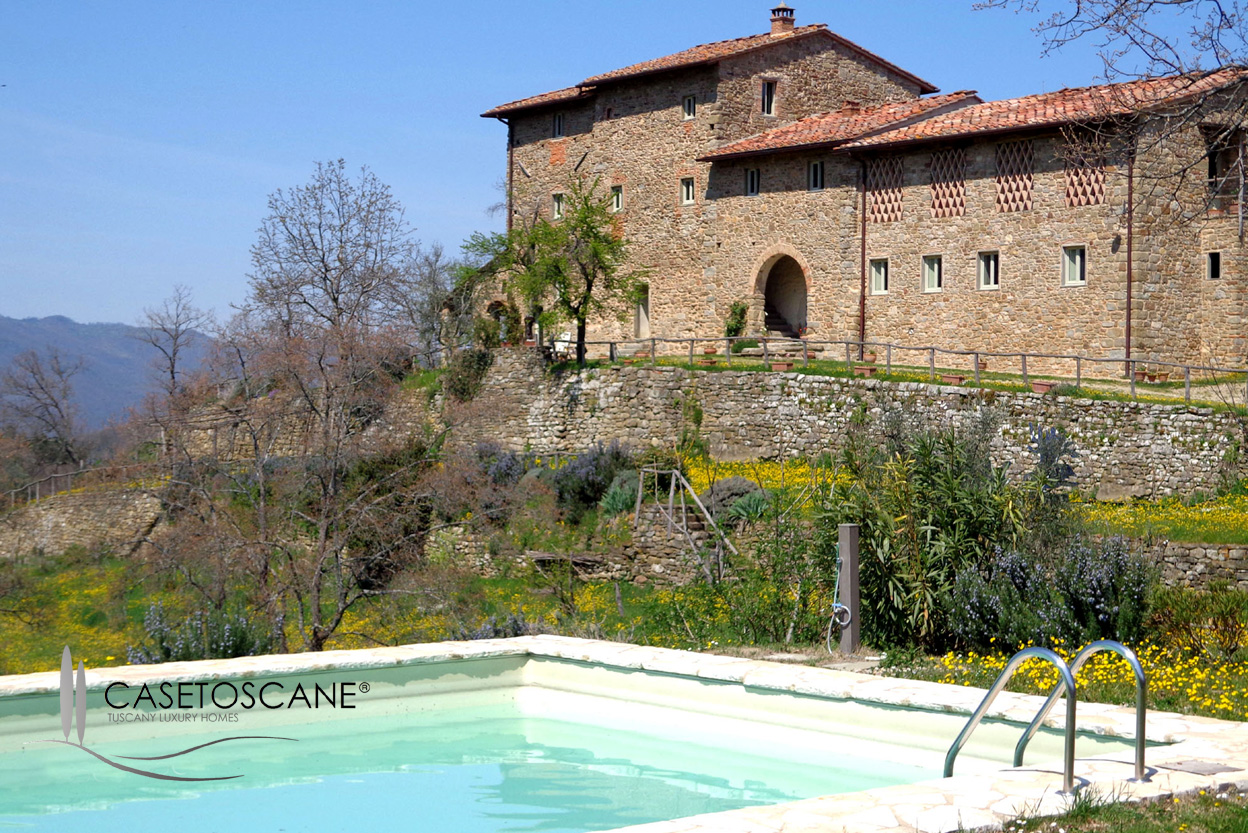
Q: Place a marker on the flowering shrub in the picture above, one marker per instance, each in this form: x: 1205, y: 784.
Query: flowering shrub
x: 211, y: 634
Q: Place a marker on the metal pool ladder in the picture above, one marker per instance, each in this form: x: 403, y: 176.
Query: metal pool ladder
x: 1066, y: 683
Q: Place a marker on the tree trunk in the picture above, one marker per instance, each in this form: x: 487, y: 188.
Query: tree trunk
x: 580, y: 342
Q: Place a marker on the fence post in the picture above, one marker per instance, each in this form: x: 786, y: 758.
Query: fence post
x: 805, y: 355
x: 975, y: 358
x: 654, y: 349
x: 847, y: 577
x: 728, y: 349
x: 849, y: 362
x: 888, y: 358
x: 1131, y: 373
x: 1078, y: 373
x: 612, y: 351
x: 1187, y: 384
x: 931, y: 364
x: 1024, y: 358
x: 766, y: 356
x: 691, y: 354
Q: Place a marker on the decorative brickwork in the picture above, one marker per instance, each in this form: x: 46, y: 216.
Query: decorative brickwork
x: 884, y: 176
x: 949, y: 183
x: 1085, y: 173
x: 1015, y: 165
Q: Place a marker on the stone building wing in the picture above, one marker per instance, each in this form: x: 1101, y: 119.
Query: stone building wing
x: 844, y: 125
x: 1079, y: 105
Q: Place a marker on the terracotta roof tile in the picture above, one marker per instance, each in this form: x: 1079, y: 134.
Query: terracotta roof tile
x: 842, y: 125
x: 1068, y: 106
x: 554, y: 97
x: 704, y: 54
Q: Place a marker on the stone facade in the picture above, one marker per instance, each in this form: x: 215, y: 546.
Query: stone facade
x: 630, y: 132
x: 1126, y: 449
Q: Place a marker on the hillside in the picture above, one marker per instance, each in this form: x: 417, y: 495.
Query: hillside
x: 118, y: 370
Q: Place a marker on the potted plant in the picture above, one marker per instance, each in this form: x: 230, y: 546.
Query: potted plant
x: 983, y: 365
x: 869, y: 356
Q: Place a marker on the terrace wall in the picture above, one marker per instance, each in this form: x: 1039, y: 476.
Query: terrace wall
x: 1126, y: 449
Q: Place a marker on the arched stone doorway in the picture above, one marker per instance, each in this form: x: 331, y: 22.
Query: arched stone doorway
x: 783, y: 286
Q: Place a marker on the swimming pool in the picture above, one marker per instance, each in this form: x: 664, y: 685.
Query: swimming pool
x: 540, y: 733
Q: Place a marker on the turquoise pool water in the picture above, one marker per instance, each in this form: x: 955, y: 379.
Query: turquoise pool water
x: 471, y: 770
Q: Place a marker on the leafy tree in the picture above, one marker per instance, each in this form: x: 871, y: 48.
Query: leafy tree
x: 577, y: 264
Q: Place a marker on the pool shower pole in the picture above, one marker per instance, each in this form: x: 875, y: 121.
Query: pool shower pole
x: 851, y: 634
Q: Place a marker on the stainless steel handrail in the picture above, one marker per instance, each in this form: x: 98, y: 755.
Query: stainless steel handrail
x: 1141, y: 701
x: 1068, y: 767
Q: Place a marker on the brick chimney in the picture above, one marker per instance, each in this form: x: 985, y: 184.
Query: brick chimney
x: 781, y: 20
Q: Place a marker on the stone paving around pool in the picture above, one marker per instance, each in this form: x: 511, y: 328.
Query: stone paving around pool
x: 1198, y: 745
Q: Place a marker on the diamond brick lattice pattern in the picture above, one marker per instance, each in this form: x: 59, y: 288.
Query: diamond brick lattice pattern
x: 1014, y: 180
x: 884, y: 185
x: 1085, y: 176
x: 949, y: 183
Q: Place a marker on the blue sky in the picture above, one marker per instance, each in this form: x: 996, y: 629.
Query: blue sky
x: 139, y: 140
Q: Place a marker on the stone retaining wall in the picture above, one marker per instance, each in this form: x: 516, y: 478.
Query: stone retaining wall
x: 1126, y: 449
x: 118, y: 518
x: 1199, y: 565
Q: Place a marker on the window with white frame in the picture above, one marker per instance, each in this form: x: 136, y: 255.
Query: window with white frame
x: 933, y: 273
x: 1074, y: 265
x: 753, y: 179
x: 814, y: 176
x: 556, y: 126
x: 557, y: 207
x: 687, y: 191
x: 768, y: 98
x: 1213, y: 265
x: 617, y: 198
x: 879, y: 276
x: 690, y: 107
x: 989, y: 270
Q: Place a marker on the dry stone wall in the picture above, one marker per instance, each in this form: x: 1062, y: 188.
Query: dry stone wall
x: 1200, y: 565
x: 117, y: 518
x: 1125, y: 449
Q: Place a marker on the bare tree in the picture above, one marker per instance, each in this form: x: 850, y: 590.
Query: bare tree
x: 171, y: 329
x: 304, y: 501
x: 37, y: 396
x: 1144, y: 38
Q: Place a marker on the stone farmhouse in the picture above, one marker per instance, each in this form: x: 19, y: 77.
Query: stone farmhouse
x: 844, y: 198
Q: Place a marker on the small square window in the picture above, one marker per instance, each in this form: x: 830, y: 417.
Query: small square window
x: 879, y: 276
x: 686, y: 191
x: 1074, y: 265
x: 556, y: 126
x: 933, y: 273
x: 690, y: 107
x: 1213, y: 265
x: 753, y: 179
x: 989, y: 270
x: 557, y: 209
x: 769, y: 98
x: 814, y: 176
x: 617, y: 198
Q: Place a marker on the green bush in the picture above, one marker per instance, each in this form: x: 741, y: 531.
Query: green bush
x: 750, y: 508
x: 1212, y: 623
x: 1091, y: 591
x: 210, y: 634
x: 744, y: 344
x: 486, y: 333
x: 734, y: 325
x: 930, y: 505
x: 465, y: 372
x: 584, y: 481
x: 618, y: 500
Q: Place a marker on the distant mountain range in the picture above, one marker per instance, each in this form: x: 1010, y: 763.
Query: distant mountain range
x: 118, y: 370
